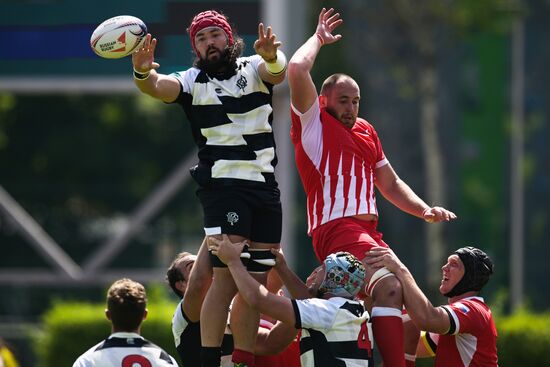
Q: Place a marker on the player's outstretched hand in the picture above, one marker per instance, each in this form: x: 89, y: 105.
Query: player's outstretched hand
x: 438, y: 214
x: 266, y: 45
x: 143, y: 58
x: 326, y: 25
x: 227, y: 251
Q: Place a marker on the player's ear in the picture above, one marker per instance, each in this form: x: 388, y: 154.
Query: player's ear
x: 145, y: 314
x: 322, y: 101
x: 108, y: 314
x: 181, y: 285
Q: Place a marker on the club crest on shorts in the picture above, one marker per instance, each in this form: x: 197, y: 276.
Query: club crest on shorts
x: 232, y: 218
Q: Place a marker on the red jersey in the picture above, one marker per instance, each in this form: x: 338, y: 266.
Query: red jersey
x: 336, y: 165
x: 472, y: 339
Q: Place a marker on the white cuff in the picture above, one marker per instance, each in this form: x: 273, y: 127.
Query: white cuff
x: 278, y: 66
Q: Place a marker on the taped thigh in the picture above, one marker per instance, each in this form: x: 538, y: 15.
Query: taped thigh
x: 261, y: 261
x: 380, y: 274
x: 217, y: 263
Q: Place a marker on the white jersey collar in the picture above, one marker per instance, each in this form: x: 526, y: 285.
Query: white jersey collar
x: 125, y: 335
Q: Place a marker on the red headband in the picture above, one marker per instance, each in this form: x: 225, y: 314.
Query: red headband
x: 209, y: 18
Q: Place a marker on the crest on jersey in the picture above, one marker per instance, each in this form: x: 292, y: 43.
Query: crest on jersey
x: 232, y: 218
x: 242, y: 83
x: 462, y: 307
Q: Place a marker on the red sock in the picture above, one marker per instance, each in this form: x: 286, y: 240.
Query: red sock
x: 410, y: 360
x: 242, y: 358
x: 387, y: 328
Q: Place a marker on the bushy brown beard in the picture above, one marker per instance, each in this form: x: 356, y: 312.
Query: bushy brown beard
x: 215, y: 67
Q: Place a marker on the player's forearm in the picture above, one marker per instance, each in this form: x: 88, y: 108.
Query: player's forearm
x: 403, y: 197
x: 147, y: 83
x: 295, y: 285
x: 420, y: 309
x: 249, y: 288
x: 198, y: 284
x: 398, y: 192
x: 159, y: 86
x: 305, y: 56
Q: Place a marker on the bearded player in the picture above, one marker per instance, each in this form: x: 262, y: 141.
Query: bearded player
x: 227, y: 99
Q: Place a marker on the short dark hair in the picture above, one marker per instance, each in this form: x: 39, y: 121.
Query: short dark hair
x: 174, y: 275
x: 126, y: 302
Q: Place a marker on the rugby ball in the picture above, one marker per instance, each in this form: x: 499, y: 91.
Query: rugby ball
x: 118, y: 36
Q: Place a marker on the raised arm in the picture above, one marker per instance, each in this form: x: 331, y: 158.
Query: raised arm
x: 255, y: 294
x: 402, y: 196
x: 295, y: 286
x: 273, y: 67
x: 422, y: 312
x: 160, y: 86
x: 199, y: 281
x: 302, y: 89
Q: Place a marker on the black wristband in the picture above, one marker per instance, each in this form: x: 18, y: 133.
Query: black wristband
x: 141, y: 76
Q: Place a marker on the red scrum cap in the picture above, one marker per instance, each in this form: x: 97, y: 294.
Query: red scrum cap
x: 209, y: 18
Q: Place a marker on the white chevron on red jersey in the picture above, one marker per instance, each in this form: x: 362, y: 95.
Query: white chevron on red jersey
x: 336, y: 164
x: 471, y: 340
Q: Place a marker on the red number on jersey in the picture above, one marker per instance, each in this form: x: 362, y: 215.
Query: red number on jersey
x: 133, y: 359
x: 364, y: 342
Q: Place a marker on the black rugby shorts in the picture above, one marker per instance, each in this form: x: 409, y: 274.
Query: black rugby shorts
x: 251, y: 213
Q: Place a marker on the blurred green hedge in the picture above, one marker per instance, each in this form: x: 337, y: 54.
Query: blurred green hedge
x: 524, y: 339
x: 71, y: 328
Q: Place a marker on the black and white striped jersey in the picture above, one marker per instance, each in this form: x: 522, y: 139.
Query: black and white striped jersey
x: 335, y: 333
x: 231, y: 122
x: 125, y: 350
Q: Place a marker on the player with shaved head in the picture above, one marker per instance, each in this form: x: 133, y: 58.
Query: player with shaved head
x: 340, y: 160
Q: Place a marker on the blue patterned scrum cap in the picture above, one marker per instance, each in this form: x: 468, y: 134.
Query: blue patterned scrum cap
x: 344, y: 275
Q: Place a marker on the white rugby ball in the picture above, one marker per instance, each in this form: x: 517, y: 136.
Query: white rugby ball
x: 118, y: 36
